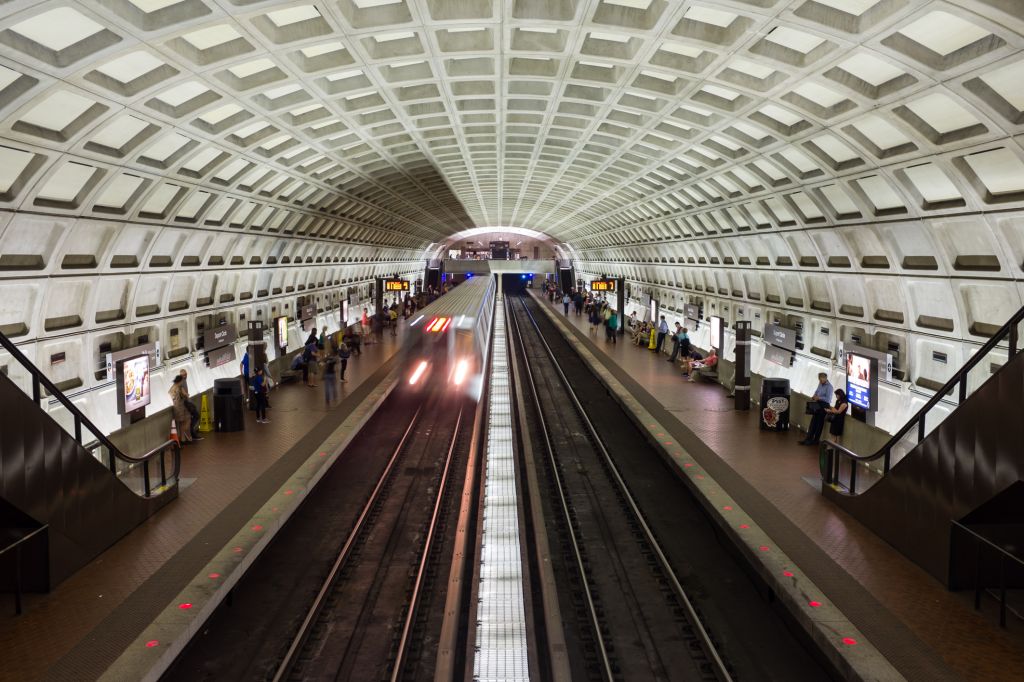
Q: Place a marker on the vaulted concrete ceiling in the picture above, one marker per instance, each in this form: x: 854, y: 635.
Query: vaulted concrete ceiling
x: 578, y: 118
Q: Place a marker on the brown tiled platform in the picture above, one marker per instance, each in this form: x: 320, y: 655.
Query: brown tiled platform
x: 926, y: 631
x: 81, y: 627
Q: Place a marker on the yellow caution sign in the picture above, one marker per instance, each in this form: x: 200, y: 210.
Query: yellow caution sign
x: 651, y: 345
x: 205, y: 420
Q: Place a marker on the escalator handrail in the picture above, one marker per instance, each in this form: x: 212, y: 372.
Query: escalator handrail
x: 114, y: 451
x: 1007, y: 330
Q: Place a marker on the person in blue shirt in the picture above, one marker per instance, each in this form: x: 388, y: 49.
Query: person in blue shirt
x: 244, y: 367
x: 259, y: 395
x: 662, y: 333
x: 820, y: 402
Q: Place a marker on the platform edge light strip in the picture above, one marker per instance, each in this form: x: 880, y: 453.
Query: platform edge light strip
x: 501, y: 644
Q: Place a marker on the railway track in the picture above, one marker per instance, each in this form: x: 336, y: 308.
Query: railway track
x: 364, y: 621
x: 635, y: 621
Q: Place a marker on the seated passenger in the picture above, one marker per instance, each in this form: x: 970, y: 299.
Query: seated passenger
x: 689, y: 359
x: 709, y: 363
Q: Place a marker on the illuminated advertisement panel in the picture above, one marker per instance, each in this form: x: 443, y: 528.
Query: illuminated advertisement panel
x: 133, y: 374
x: 282, y: 332
x: 716, y: 332
x: 861, y: 381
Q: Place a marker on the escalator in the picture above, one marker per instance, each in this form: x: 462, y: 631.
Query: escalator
x: 66, y: 494
x: 950, y: 471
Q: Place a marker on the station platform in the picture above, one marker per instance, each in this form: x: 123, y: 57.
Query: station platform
x: 922, y: 629
x: 84, y: 625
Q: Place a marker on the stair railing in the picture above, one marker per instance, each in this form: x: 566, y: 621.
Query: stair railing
x: 148, y: 486
x: 834, y: 456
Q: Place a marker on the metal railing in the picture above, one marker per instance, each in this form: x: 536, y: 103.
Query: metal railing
x: 16, y: 548
x: 983, y: 545
x: 136, y: 472
x: 914, y: 431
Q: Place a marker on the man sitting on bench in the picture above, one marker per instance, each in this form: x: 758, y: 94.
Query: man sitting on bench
x: 708, y: 364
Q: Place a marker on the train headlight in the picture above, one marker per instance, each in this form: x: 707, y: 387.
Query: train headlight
x: 420, y: 369
x: 461, y: 370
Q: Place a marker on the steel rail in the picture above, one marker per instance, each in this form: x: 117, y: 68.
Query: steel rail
x: 410, y: 616
x: 607, y: 668
x: 705, y: 638
x: 285, y: 668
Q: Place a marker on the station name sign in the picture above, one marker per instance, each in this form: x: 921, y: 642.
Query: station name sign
x: 396, y: 285
x: 602, y: 285
x: 219, y: 337
x: 780, y: 337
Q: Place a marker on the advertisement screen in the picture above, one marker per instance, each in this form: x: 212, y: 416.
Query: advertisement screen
x: 282, y: 332
x: 134, y: 374
x: 858, y: 380
x: 654, y: 311
x: 344, y: 313
x: 716, y: 332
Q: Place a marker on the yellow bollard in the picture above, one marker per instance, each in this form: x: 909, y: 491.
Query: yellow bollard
x: 654, y: 339
x: 205, y: 420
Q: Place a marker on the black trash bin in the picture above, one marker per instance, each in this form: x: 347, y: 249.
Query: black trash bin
x: 228, y: 405
x: 775, y: 403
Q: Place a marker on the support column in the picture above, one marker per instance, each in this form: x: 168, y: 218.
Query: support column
x: 620, y: 300
x: 742, y: 388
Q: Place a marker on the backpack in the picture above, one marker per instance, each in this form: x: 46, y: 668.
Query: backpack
x: 344, y: 353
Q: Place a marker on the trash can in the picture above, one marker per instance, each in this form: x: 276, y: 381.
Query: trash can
x: 228, y: 405
x: 775, y: 404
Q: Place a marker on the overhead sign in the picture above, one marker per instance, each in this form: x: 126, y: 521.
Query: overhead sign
x: 691, y: 311
x: 602, y: 285
x: 220, y: 356
x: 307, y: 312
x: 780, y: 336
x: 396, y: 285
x: 778, y: 356
x: 219, y: 337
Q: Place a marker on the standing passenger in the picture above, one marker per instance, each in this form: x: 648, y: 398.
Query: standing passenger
x: 565, y: 303
x: 819, y: 403
x: 259, y: 395
x: 835, y: 429
x: 344, y: 353
x: 676, y: 340
x: 179, y: 411
x: 662, y: 333
x: 330, y: 380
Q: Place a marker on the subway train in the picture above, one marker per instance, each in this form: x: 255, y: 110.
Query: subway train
x: 448, y: 340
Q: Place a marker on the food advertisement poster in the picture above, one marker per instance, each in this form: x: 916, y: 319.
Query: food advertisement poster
x: 135, y: 383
